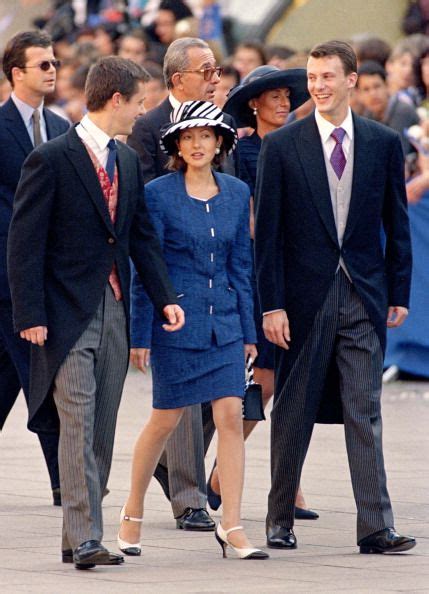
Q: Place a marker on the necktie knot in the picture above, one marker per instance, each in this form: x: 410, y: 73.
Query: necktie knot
x: 338, y: 135
x: 111, y: 145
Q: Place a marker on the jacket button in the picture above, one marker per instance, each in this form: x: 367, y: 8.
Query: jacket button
x: 111, y: 240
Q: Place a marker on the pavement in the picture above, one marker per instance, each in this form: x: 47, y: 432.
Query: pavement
x: 174, y: 561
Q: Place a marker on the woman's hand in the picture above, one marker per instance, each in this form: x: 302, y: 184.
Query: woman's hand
x: 250, y: 351
x: 140, y: 358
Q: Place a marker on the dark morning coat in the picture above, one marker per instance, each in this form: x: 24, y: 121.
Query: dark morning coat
x: 61, y: 249
x: 15, y: 146
x: 145, y: 140
x: 296, y: 246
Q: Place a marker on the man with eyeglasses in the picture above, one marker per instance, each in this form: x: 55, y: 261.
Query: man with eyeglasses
x: 30, y: 66
x: 190, y: 73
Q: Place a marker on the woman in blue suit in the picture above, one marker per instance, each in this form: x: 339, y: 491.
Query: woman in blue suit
x: 202, y: 219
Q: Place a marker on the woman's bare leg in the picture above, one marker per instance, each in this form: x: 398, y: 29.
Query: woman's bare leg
x: 147, y: 451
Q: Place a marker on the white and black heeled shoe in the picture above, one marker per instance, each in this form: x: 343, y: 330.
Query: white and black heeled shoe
x: 242, y: 553
x: 132, y: 549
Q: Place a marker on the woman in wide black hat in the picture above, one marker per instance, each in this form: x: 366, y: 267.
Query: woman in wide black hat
x: 263, y: 101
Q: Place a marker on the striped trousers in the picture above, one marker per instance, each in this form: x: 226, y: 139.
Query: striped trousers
x: 87, y: 393
x: 342, y: 330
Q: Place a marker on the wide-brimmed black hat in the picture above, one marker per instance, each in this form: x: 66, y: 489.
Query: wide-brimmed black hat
x: 265, y: 78
x: 196, y: 114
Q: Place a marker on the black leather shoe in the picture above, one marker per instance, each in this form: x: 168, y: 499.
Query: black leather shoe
x: 305, y: 514
x: 279, y: 537
x: 91, y: 552
x: 56, y: 496
x: 67, y: 557
x: 195, y: 519
x: 386, y: 541
x: 161, y: 475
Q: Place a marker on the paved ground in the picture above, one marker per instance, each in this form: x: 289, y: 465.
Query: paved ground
x: 172, y: 561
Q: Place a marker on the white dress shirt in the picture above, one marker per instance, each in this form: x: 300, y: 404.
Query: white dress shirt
x: 326, y: 128
x: 26, y: 112
x: 95, y: 138
x: 174, y: 102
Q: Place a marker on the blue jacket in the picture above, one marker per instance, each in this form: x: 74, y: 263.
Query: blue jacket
x: 207, y: 249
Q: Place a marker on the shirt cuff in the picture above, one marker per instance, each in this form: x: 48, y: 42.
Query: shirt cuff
x: 265, y: 313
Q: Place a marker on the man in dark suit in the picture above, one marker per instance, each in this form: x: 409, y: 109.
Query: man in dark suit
x: 30, y: 66
x: 327, y: 187
x: 79, y: 215
x: 190, y: 73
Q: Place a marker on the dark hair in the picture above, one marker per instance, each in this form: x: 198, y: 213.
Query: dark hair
x: 369, y: 48
x: 112, y: 75
x: 256, y: 46
x: 371, y: 68
x: 155, y: 71
x: 138, y: 34
x: 337, y: 48
x: 14, y: 55
x: 179, y: 9
x: 229, y: 70
x: 177, y: 163
x: 283, y: 52
x: 418, y: 77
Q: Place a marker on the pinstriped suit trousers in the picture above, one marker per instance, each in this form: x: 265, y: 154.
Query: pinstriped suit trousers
x: 342, y: 330
x: 87, y: 393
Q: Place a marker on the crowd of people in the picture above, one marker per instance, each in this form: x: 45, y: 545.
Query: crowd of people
x: 263, y: 220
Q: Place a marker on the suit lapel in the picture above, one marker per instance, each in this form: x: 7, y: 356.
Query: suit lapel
x: 123, y: 176
x: 16, y: 127
x: 310, y: 151
x: 82, y: 163
x: 52, y: 128
x: 361, y: 172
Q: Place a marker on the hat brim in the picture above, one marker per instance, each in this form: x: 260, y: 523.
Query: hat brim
x: 170, y: 133
x: 237, y: 104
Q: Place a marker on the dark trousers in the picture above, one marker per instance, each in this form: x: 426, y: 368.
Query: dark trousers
x: 14, y: 374
x: 342, y: 330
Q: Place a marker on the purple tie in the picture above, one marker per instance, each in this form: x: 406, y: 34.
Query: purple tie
x: 338, y: 158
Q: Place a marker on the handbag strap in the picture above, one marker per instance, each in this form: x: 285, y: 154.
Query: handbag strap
x: 249, y: 372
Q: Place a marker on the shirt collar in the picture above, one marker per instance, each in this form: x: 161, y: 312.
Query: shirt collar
x: 326, y: 128
x: 175, y: 103
x: 96, y: 133
x: 24, y: 109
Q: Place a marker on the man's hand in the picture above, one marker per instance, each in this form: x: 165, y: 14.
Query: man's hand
x: 175, y: 316
x: 276, y: 328
x: 140, y: 358
x: 396, y: 316
x: 36, y: 335
x: 250, y: 351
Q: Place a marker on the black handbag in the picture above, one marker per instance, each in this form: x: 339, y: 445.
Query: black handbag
x: 253, y: 409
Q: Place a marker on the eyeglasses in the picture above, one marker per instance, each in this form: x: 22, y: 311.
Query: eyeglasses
x: 208, y: 73
x: 45, y: 65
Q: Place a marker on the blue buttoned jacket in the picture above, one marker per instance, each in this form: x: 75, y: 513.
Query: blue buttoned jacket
x: 207, y: 249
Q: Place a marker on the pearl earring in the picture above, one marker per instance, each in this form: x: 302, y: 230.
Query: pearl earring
x: 179, y: 153
x: 217, y: 151
x: 255, y: 111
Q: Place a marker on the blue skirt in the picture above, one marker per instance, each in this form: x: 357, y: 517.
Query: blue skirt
x: 182, y: 377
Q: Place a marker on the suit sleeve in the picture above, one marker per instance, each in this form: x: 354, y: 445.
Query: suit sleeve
x: 147, y: 257
x: 240, y: 268
x: 145, y: 143
x: 396, y: 226
x: 141, y: 306
x: 269, y: 239
x: 27, y: 241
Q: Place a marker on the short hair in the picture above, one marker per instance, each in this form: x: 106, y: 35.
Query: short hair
x: 368, y: 47
x: 154, y: 70
x: 14, y: 55
x: 371, y: 68
x: 138, y: 34
x: 112, y: 75
x: 176, y: 58
x: 283, y: 52
x: 256, y: 46
x: 343, y: 50
x: 229, y: 70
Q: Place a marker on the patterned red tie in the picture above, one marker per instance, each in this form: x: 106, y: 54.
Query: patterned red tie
x: 338, y: 158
